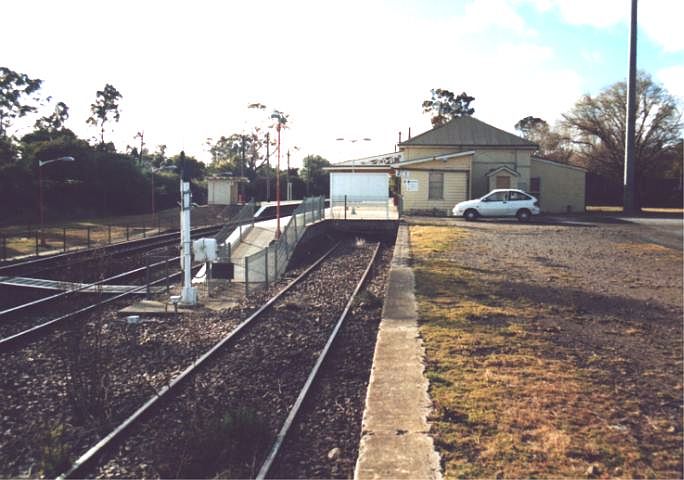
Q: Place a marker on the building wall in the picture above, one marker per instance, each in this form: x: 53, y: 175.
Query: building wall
x: 485, y: 160
x: 220, y: 192
x: 562, y: 188
x: 456, y: 184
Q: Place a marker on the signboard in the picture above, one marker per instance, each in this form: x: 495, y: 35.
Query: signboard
x: 411, y: 185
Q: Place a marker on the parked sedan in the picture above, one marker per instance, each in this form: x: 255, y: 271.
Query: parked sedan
x: 499, y: 203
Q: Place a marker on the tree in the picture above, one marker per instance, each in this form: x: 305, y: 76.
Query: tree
x: 317, y: 180
x: 444, y: 105
x: 552, y: 144
x: 105, y: 108
x: 54, y: 122
x: 597, y: 128
x: 14, y: 87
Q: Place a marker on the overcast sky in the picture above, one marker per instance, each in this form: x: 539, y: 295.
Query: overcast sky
x: 352, y: 69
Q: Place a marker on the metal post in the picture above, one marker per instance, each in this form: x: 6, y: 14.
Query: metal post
x: 275, y: 262
x: 246, y: 276
x: 629, y: 201
x: 127, y: 233
x: 266, y: 266
x: 147, y: 276
x: 64, y: 239
x: 166, y: 275
x: 294, y: 219
x: 109, y: 234
x: 37, y: 251
x: 88, y: 235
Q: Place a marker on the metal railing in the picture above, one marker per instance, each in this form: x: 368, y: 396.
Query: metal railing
x: 244, y: 217
x: 268, y: 265
x: 362, y: 207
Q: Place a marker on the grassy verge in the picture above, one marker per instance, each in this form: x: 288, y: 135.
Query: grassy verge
x: 509, y: 402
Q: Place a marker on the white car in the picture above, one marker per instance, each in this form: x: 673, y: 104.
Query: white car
x: 499, y: 203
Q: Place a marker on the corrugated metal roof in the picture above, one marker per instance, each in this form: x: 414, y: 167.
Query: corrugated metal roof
x: 374, y: 161
x: 468, y: 132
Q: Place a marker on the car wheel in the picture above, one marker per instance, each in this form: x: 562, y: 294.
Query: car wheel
x: 470, y: 215
x: 524, y: 215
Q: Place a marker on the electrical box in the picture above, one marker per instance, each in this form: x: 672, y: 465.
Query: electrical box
x: 205, y: 250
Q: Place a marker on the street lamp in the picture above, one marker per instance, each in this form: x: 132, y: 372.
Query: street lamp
x: 353, y: 140
x: 42, y: 163
x: 281, y: 119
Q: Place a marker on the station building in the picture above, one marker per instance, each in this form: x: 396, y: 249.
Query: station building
x: 462, y: 159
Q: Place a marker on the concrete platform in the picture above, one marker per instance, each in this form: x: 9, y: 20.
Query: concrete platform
x: 395, y: 443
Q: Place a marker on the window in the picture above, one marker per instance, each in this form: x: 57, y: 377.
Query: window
x: 518, y: 196
x: 496, y: 197
x: 436, y: 186
x: 503, y: 181
x: 535, y: 187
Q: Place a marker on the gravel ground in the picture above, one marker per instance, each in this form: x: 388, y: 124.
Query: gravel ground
x: 324, y: 440
x: 609, y: 304
x: 223, y: 420
x: 64, y: 392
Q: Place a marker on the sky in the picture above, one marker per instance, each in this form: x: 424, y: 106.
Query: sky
x: 349, y: 69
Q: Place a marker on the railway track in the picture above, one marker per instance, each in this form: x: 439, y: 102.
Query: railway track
x: 126, y: 364
x: 29, y: 321
x: 286, y: 339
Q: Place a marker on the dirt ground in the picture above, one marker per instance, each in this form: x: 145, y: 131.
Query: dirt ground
x: 553, y: 350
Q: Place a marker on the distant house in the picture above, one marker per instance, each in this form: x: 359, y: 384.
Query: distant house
x: 463, y: 159
x: 222, y: 190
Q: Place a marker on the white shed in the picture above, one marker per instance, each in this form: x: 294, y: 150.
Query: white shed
x: 222, y: 190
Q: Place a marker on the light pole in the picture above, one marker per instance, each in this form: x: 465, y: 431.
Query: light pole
x: 353, y: 140
x: 281, y: 119
x: 42, y: 163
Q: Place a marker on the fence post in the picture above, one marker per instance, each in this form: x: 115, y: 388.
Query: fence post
x: 109, y: 234
x: 266, y: 266
x: 147, y: 276
x: 64, y: 239
x: 37, y: 251
x: 88, y: 234
x: 246, y: 276
x: 4, y: 248
x: 127, y: 233
x: 294, y: 218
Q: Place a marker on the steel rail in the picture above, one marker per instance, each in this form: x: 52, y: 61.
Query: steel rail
x: 66, y: 293
x: 91, y: 454
x: 13, y: 340
x: 280, y: 438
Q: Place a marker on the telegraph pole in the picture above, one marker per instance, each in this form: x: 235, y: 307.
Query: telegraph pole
x: 629, y: 200
x: 268, y: 169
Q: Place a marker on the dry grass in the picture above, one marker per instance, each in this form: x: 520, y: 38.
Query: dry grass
x: 507, y: 400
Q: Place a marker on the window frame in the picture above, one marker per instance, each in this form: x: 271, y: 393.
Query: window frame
x: 432, y: 183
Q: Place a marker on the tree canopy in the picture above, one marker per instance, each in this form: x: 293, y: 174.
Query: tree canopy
x: 14, y: 90
x: 443, y: 105
x: 105, y: 108
x: 597, y: 127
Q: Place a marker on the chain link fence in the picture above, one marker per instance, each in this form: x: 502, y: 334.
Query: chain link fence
x: 267, y: 265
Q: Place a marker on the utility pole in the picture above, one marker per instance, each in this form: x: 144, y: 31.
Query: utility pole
x: 141, y: 134
x: 242, y: 167
x: 629, y: 200
x: 268, y: 168
x: 287, y: 177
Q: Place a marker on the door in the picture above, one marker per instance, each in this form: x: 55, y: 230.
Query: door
x: 503, y: 181
x: 494, y: 205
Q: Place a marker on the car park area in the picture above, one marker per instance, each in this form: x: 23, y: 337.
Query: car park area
x: 553, y: 348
